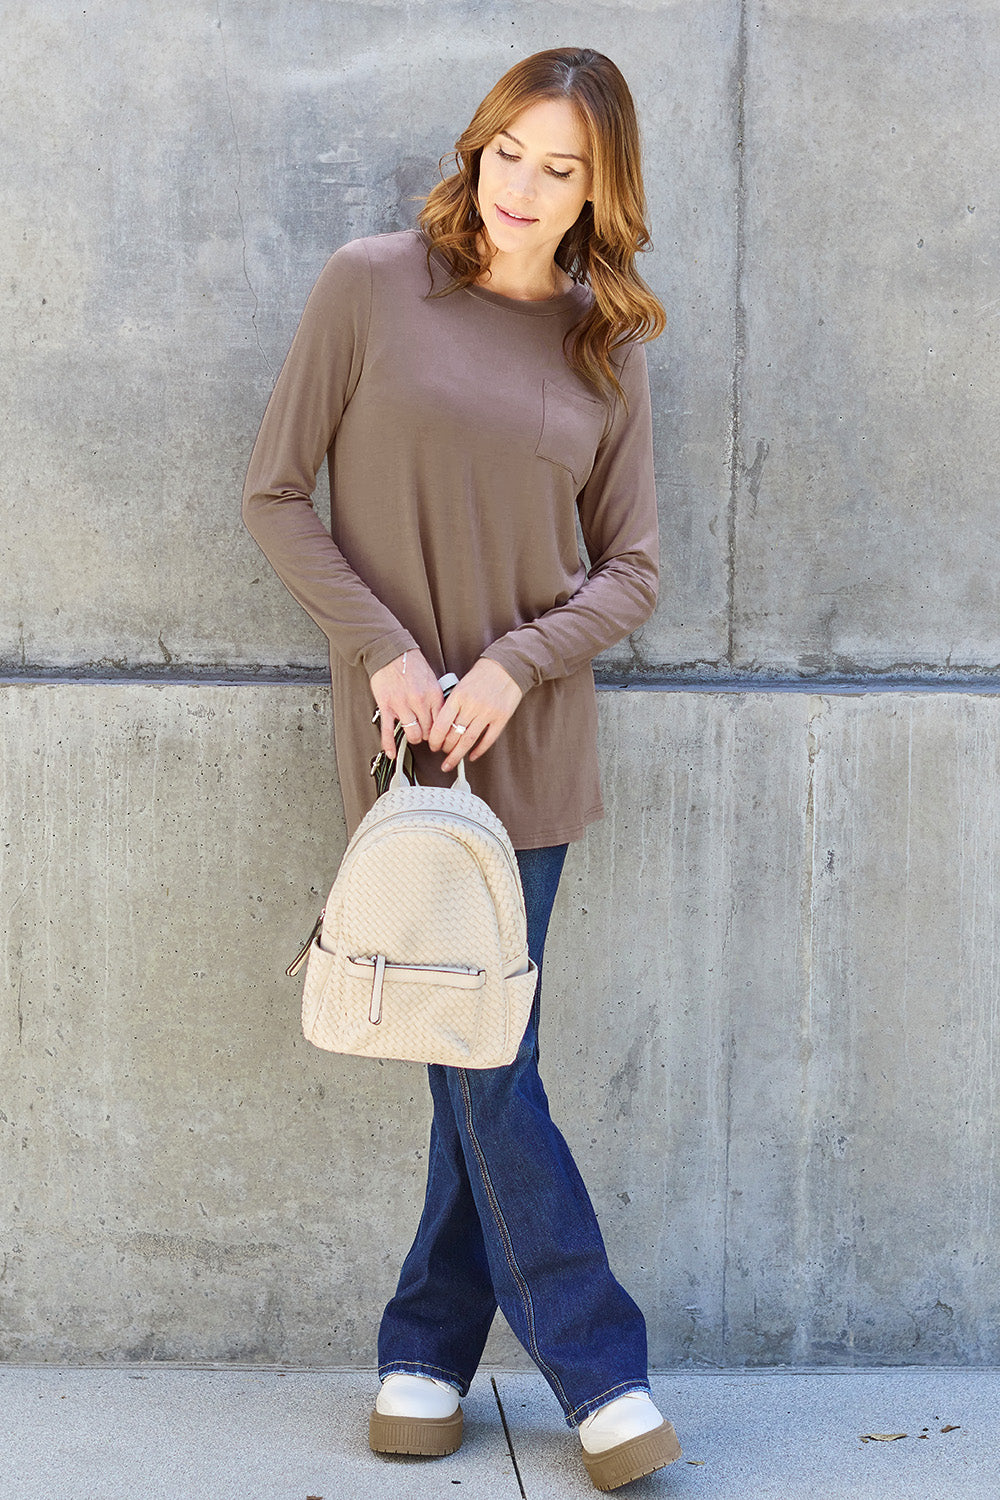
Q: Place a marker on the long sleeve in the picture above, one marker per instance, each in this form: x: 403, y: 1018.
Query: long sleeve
x: 617, y: 507
x: 316, y: 382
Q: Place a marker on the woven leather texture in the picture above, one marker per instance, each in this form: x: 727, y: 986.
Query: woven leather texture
x: 429, y: 878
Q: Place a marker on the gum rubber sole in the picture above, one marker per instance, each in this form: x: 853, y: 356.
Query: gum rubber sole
x: 631, y: 1460
x: 429, y: 1437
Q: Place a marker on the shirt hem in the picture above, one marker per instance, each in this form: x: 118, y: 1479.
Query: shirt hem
x: 550, y: 837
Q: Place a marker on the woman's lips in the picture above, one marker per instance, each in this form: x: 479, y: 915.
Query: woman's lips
x: 514, y: 219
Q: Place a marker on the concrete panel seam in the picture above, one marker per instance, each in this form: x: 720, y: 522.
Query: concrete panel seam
x: 682, y: 681
x: 739, y: 330
x: 728, y: 1089
x: 236, y: 190
x: 807, y: 940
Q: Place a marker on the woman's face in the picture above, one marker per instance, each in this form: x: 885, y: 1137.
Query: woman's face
x: 534, y: 178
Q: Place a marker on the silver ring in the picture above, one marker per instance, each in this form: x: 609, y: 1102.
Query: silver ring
x: 462, y: 728
x: 411, y: 723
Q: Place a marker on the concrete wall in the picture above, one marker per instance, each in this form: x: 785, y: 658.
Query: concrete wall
x: 771, y: 1030
x: 787, y: 1107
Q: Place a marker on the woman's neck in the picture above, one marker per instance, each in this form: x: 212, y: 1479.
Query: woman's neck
x: 534, y: 281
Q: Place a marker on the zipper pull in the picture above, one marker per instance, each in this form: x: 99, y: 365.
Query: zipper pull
x: 303, y: 953
x: 375, y: 1004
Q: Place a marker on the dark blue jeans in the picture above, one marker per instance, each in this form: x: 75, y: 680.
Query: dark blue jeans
x: 507, y: 1222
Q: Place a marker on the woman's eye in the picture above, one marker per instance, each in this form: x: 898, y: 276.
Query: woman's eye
x: 507, y: 156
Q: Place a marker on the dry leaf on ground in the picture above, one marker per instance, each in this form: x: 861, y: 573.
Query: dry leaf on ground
x: 881, y: 1437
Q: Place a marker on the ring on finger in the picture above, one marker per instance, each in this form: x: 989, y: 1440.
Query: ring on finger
x: 462, y: 728
x: 411, y: 724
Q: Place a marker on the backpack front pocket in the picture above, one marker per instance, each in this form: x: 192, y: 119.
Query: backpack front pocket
x: 382, y: 972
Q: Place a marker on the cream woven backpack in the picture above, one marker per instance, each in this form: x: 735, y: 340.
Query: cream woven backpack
x: 421, y: 951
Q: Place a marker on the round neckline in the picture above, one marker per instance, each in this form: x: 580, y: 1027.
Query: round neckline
x: 547, y: 308
x: 543, y: 309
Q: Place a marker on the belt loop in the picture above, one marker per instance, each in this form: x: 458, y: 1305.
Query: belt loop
x: 375, y: 1009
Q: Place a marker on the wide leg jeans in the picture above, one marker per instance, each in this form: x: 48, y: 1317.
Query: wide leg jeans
x: 508, y: 1223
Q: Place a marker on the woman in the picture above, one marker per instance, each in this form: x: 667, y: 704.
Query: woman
x: 478, y: 384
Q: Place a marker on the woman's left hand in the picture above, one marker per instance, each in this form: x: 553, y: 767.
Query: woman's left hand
x: 475, y: 713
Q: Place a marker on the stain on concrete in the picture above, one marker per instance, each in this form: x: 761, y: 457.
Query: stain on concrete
x: 184, y: 1249
x: 755, y: 473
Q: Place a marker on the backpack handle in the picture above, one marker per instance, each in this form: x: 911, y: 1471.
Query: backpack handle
x: 403, y: 773
x: 389, y: 773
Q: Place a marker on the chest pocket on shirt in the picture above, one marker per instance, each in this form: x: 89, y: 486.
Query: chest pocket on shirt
x: 572, y: 427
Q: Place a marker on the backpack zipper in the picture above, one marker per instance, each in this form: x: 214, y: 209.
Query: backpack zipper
x: 470, y: 823
x: 303, y: 953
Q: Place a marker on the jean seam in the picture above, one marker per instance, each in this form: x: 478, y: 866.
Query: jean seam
x: 508, y: 1248
x: 596, y: 1402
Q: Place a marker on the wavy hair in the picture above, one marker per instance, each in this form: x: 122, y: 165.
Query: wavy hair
x: 600, y: 248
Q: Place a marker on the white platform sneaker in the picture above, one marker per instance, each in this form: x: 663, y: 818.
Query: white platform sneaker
x: 626, y: 1439
x: 415, y: 1414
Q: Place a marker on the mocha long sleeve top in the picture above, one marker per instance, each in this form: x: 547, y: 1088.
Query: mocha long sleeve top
x: 462, y: 447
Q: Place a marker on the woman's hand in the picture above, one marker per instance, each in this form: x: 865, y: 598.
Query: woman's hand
x: 474, y: 713
x: 406, y: 692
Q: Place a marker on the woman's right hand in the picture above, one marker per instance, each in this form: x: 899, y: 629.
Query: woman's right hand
x: 407, y: 692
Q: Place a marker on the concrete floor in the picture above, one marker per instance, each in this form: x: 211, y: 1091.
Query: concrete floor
x: 258, y: 1434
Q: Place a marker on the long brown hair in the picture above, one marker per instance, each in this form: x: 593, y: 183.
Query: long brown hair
x: 601, y: 247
